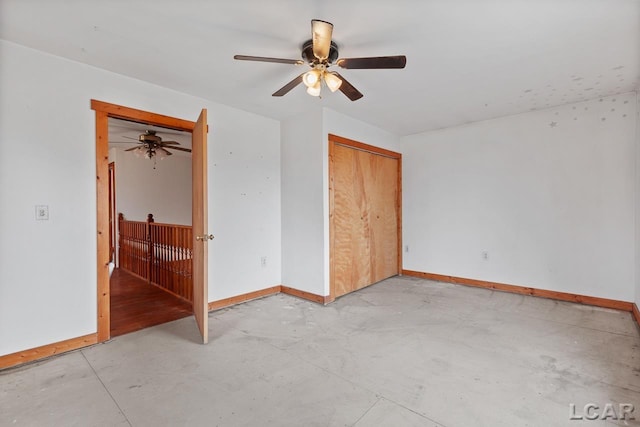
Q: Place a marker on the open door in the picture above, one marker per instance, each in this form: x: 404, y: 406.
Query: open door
x: 198, y: 130
x: 199, y: 223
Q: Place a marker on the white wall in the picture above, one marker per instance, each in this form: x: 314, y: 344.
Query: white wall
x: 347, y: 127
x: 47, y: 157
x: 164, y: 191
x: 305, y: 192
x: 244, y: 203
x: 302, y: 203
x: 548, y: 195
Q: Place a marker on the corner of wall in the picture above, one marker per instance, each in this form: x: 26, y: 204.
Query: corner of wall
x: 301, y: 201
x: 543, y: 199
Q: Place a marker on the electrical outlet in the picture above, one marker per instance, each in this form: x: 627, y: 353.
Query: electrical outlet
x: 263, y: 261
x: 485, y: 255
x: 42, y: 212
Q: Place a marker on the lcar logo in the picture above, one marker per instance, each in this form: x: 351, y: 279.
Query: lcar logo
x: 610, y: 411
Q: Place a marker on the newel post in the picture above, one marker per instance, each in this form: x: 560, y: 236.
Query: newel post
x: 120, y: 219
x: 150, y: 249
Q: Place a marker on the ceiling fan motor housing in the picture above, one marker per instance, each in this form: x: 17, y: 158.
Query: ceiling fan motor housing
x: 309, y: 57
x: 149, y: 136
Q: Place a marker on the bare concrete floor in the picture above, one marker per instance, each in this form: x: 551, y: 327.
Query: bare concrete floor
x: 404, y: 352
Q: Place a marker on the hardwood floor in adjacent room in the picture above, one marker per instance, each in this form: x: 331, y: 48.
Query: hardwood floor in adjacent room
x: 136, y: 304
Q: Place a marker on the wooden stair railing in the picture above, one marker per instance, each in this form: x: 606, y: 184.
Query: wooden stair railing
x: 158, y: 253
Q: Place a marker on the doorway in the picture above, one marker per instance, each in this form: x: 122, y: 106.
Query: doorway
x: 198, y: 130
x: 365, y: 217
x: 150, y: 224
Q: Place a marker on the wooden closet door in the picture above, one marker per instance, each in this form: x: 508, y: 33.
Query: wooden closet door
x: 364, y: 218
x: 382, y: 199
x: 351, y: 248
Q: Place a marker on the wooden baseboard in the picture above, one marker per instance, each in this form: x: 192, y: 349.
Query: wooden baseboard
x: 305, y: 295
x: 561, y: 296
x: 636, y: 313
x: 48, y: 350
x: 44, y: 351
x: 227, y: 302
x: 170, y: 292
x: 144, y: 279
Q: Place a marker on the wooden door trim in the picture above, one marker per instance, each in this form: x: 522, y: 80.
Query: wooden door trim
x: 339, y: 140
x: 104, y: 110
x: 113, y: 218
x: 141, y: 116
x: 364, y: 147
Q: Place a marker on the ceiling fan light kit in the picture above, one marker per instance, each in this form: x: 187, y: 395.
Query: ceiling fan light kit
x: 314, y: 90
x: 320, y: 53
x: 333, y: 81
x: 310, y: 78
x: 150, y: 152
x: 151, y: 146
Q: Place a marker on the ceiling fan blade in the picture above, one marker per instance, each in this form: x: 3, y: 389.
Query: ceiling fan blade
x: 286, y: 88
x: 119, y: 142
x: 347, y: 88
x: 132, y: 148
x: 165, y: 151
x: 177, y: 148
x: 374, y: 62
x: 321, y: 32
x: 170, y: 143
x: 266, y: 59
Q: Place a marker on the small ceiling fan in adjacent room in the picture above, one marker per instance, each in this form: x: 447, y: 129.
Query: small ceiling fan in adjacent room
x: 320, y: 53
x: 152, y: 146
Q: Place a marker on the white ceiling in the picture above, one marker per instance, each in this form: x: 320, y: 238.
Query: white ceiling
x: 466, y: 60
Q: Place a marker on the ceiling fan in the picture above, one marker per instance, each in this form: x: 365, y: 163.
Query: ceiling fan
x: 150, y: 145
x: 320, y: 52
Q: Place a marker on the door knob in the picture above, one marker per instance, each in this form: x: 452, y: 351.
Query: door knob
x: 205, y: 237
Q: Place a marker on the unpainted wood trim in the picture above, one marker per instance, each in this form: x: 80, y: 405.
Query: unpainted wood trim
x: 305, y: 295
x: 364, y: 147
x: 140, y: 116
x: 169, y: 291
x: 102, y: 225
x: 238, y: 299
x: 48, y: 350
x: 112, y: 210
x: 636, y: 313
x: 515, y: 289
x: 399, y: 215
x: 332, y: 200
x: 333, y: 140
x: 104, y: 110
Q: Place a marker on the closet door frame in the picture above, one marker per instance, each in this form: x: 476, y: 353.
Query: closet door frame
x: 335, y: 140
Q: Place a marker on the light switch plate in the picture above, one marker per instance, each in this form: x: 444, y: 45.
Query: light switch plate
x: 42, y: 212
